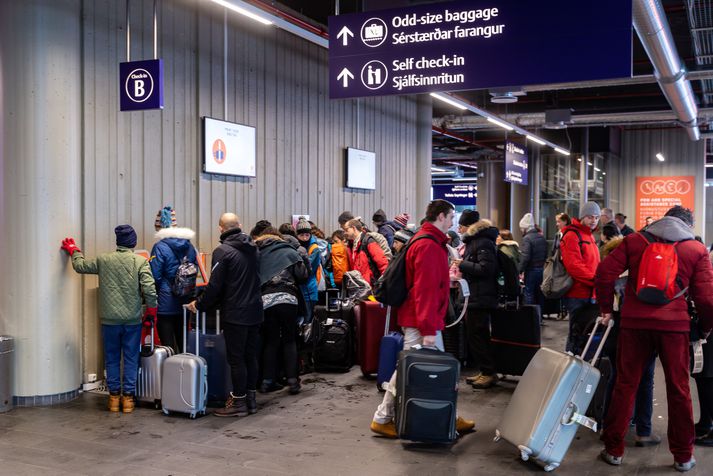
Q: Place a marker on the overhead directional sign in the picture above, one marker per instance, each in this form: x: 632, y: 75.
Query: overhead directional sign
x: 477, y: 44
x: 515, y: 163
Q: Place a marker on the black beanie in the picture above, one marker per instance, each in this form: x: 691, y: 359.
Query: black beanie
x: 379, y: 217
x: 125, y: 236
x: 468, y: 217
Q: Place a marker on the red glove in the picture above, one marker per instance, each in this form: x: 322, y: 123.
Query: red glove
x: 150, y: 317
x: 70, y: 246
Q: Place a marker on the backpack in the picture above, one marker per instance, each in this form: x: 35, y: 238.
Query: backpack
x: 319, y: 274
x: 556, y: 281
x: 379, y: 238
x: 508, y: 282
x: 364, y: 246
x: 658, y: 272
x: 184, y: 283
x: 390, y: 289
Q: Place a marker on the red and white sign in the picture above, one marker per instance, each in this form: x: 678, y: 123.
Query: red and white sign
x: 655, y: 195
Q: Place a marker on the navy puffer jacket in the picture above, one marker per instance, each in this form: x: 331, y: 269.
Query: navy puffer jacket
x: 166, y: 256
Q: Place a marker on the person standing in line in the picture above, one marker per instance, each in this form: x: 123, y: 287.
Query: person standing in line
x: 125, y: 280
x: 507, y: 244
x: 167, y: 254
x: 467, y: 218
x: 365, y: 256
x: 340, y: 259
x: 620, y: 220
x: 422, y: 314
x: 562, y: 220
x: 234, y: 288
x: 310, y: 290
x: 385, y: 227
x: 532, y: 261
x: 607, y: 216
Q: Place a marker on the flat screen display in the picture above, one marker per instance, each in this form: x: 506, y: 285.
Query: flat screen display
x: 228, y: 148
x: 361, y: 169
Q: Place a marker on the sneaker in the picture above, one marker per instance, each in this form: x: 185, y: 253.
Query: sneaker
x: 295, y: 386
x: 464, y: 426
x: 610, y: 459
x: 270, y: 386
x: 651, y: 440
x: 683, y: 467
x: 485, y: 381
x: 127, y: 403
x: 704, y: 440
x: 251, y: 401
x: 234, y: 407
x: 114, y: 402
x: 387, y: 430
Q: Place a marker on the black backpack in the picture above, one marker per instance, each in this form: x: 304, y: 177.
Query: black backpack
x: 509, y: 288
x: 391, y: 288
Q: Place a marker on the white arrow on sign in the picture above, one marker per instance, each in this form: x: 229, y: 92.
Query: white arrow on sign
x: 345, y: 76
x: 344, y: 34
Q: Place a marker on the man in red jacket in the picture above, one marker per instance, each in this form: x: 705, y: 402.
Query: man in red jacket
x: 664, y: 329
x: 365, y: 255
x: 422, y: 314
x: 580, y: 256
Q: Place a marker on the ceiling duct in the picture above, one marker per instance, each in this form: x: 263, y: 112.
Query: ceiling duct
x: 655, y: 34
x: 557, y: 118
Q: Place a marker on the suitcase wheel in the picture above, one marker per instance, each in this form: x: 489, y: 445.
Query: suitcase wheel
x: 192, y: 416
x: 165, y: 412
x: 525, y: 452
x: 379, y: 387
x: 497, y: 436
x: 551, y: 467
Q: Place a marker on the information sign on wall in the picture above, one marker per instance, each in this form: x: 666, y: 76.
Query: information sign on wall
x: 228, y: 148
x: 515, y: 163
x: 476, y: 44
x: 141, y: 85
x: 459, y: 194
x: 656, y: 195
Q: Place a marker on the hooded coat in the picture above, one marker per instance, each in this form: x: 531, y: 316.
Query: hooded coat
x: 533, y: 250
x: 234, y: 285
x: 166, y: 256
x: 480, y: 264
x: 694, y: 272
x: 579, y: 259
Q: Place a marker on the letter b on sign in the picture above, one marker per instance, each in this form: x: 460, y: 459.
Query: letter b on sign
x: 141, y: 85
x: 139, y: 89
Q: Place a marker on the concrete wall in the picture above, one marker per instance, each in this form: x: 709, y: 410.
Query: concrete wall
x: 73, y: 164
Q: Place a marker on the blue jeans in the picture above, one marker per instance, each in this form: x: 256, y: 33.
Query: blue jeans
x: 572, y: 304
x: 533, y: 280
x: 117, y: 339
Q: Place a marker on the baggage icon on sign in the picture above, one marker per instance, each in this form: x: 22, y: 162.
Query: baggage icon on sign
x: 373, y: 32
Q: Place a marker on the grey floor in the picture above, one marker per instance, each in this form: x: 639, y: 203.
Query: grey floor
x: 322, y: 431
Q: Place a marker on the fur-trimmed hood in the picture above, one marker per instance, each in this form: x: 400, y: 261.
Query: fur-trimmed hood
x: 175, y: 232
x: 510, y: 243
x: 611, y: 245
x: 479, y: 225
x: 481, y: 228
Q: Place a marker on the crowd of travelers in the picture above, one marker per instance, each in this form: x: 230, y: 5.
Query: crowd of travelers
x: 267, y: 281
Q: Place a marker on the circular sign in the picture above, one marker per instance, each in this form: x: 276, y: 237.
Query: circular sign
x: 219, y: 151
x: 665, y: 187
x: 374, y: 74
x: 139, y: 85
x: 373, y: 32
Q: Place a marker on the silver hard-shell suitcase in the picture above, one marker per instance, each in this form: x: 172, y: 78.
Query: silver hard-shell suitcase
x: 184, y: 386
x: 148, y: 383
x: 550, y: 403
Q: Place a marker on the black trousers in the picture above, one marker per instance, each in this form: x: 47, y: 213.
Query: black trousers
x: 705, y: 400
x: 241, y: 344
x: 170, y: 331
x: 478, y: 328
x: 280, y: 330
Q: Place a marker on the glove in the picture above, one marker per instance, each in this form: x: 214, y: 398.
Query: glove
x: 150, y: 317
x: 70, y: 246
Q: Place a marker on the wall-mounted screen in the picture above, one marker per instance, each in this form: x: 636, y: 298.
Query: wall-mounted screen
x: 361, y: 169
x: 228, y: 148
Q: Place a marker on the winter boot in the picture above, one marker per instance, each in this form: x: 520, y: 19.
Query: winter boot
x: 127, y: 403
x: 114, y: 400
x: 251, y: 401
x: 234, y: 407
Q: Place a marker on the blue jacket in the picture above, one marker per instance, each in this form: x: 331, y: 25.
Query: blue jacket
x: 166, y: 256
x: 309, y: 290
x: 388, y: 230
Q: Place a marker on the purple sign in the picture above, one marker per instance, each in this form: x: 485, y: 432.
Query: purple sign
x: 141, y: 85
x: 478, y: 44
x: 515, y: 163
x: 460, y: 194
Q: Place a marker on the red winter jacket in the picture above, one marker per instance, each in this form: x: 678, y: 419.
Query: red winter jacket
x: 428, y: 282
x: 694, y: 272
x: 580, y: 261
x: 359, y: 260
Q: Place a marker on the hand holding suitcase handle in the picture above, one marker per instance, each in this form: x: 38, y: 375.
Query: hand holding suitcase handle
x: 609, y: 324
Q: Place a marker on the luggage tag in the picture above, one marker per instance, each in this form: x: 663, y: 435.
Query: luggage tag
x: 697, y: 356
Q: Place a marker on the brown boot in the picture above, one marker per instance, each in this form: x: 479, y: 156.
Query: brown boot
x: 113, y: 402
x: 127, y: 403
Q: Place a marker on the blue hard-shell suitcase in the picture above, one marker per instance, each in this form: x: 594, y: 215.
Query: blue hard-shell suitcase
x: 212, y: 349
x: 391, y: 344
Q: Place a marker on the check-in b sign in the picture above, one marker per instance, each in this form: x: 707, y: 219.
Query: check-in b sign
x: 141, y: 85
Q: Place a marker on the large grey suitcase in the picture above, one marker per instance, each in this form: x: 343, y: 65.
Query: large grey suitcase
x: 550, y: 403
x: 184, y: 386
x: 148, y: 383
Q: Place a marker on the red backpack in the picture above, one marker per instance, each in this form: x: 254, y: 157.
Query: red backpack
x: 658, y: 272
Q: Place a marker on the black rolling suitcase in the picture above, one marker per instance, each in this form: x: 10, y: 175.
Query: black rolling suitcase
x: 515, y: 338
x: 427, y: 395
x: 333, y: 335
x: 454, y: 334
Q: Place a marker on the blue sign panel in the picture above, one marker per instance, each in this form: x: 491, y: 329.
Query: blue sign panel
x: 141, y: 85
x: 459, y: 194
x: 478, y: 44
x: 515, y: 163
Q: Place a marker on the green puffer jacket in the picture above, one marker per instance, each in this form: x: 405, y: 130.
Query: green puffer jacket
x: 124, y: 278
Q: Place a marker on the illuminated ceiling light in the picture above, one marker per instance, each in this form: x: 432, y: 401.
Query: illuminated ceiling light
x: 438, y: 169
x: 502, y: 124
x: 579, y: 159
x: 242, y: 11
x: 535, y: 139
x: 563, y: 152
x: 465, y: 179
x: 448, y: 100
x: 660, y: 157
x: 709, y: 166
x: 597, y: 170
x: 589, y: 164
x: 604, y: 173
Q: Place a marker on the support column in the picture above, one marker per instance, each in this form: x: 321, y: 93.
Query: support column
x: 40, y: 200
x: 424, y: 152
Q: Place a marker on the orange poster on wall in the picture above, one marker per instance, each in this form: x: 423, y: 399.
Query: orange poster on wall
x: 655, y: 195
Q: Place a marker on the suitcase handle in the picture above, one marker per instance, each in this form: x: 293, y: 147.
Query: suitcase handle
x: 185, y: 331
x: 601, y: 343
x: 388, y: 321
x: 465, y: 290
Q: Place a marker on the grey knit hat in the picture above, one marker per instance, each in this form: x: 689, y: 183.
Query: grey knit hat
x: 589, y: 208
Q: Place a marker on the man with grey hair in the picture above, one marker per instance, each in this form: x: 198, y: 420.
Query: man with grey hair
x: 607, y: 215
x: 664, y: 328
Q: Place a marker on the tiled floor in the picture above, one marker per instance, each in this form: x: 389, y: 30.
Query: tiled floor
x: 322, y: 431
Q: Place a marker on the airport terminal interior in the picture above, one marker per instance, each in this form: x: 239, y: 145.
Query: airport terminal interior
x: 294, y: 112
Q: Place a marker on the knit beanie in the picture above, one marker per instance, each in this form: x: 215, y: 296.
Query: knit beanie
x: 403, y: 235
x: 303, y: 226
x: 402, y: 219
x: 379, y: 217
x: 589, y: 208
x: 528, y: 222
x: 125, y: 236
x: 468, y: 217
x: 165, y: 218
